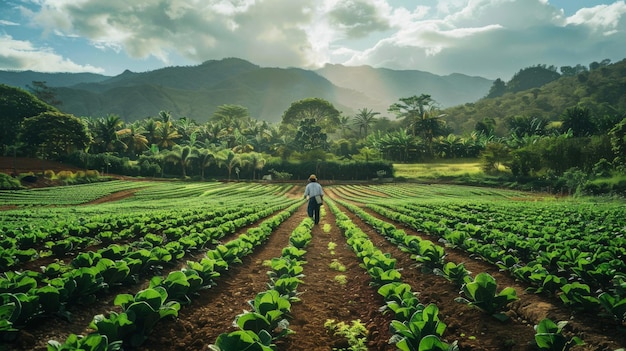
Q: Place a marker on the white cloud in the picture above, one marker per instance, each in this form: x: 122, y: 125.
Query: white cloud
x: 22, y: 55
x: 8, y: 23
x: 496, y: 38
x: 493, y: 38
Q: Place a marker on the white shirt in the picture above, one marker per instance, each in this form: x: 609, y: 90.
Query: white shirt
x: 313, y: 189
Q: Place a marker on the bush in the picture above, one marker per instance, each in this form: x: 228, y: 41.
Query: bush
x: 9, y: 183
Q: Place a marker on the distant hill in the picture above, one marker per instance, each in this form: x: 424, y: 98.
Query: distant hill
x: 23, y: 79
x: 602, y: 90
x: 386, y: 86
x: 196, y: 91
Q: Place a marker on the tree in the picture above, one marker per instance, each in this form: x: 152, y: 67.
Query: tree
x: 206, y: 157
x: 55, y: 134
x: 133, y: 139
x: 487, y: 126
x: 494, y: 156
x: 44, y: 93
x: 498, y: 88
x: 520, y: 126
x: 532, y: 77
x: 322, y: 112
x: 579, y: 120
x: 181, y: 155
x: 228, y: 114
x: 310, y: 136
x: 106, y: 134
x: 618, y: 142
x: 364, y: 119
x: 166, y: 134
x: 256, y: 162
x: 16, y: 105
x: 228, y: 159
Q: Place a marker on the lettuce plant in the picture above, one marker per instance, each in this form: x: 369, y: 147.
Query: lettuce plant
x: 481, y: 293
x: 145, y: 309
x: 549, y: 336
x: 408, y: 334
x: 243, y: 340
x: 615, y: 306
x: 179, y: 284
x: 455, y: 273
x: 91, y: 342
x: 400, y: 299
x: 269, y: 313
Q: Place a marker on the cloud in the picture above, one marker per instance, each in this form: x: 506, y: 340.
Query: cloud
x: 8, y: 23
x: 22, y: 55
x: 493, y: 38
x: 358, y: 18
x: 266, y: 32
x: 496, y: 38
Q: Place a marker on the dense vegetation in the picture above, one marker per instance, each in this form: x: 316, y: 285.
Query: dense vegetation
x: 540, y: 129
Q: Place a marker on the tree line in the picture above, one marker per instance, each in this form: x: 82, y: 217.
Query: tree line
x: 232, y: 144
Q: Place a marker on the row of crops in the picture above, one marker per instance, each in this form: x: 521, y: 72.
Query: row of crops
x: 144, y: 237
x: 573, y: 250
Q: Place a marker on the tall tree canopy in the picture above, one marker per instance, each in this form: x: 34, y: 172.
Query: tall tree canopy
x: 55, y: 133
x: 17, y: 104
x: 322, y: 112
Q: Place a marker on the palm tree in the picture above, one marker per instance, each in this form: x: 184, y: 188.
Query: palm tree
x: 133, y: 138
x: 106, y: 133
x: 364, y: 119
x: 344, y: 125
x: 256, y: 162
x: 166, y: 135
x: 228, y: 158
x: 206, y: 158
x: 181, y: 155
x: 241, y: 142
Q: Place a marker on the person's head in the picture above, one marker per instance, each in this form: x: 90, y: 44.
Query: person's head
x: 312, y: 178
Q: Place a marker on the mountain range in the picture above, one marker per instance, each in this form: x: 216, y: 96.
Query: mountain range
x: 197, y: 91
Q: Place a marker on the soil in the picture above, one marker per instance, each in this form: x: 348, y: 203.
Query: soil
x: 323, y: 298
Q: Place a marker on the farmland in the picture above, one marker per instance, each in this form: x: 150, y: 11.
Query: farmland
x: 171, y: 266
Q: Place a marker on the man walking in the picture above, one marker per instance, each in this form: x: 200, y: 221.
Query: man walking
x: 316, y: 195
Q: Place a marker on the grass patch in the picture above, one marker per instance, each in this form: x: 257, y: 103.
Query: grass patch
x: 433, y: 170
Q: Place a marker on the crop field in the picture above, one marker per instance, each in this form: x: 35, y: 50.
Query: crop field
x: 142, y: 265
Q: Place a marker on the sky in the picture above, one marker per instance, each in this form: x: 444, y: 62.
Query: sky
x: 487, y: 38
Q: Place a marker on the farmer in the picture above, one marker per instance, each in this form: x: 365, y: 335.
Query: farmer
x: 315, y: 193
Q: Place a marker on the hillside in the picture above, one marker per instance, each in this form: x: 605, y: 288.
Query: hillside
x: 196, y: 91
x: 602, y: 90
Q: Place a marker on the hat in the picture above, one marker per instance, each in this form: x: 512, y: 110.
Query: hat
x: 312, y: 177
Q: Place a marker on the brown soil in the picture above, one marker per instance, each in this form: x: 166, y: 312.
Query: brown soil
x: 322, y: 298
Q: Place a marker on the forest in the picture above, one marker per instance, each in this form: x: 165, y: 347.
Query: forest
x: 541, y: 129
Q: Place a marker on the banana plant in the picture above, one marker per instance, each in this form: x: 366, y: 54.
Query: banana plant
x: 481, y: 293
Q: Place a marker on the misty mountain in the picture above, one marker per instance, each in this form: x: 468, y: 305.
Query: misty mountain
x: 23, y: 79
x: 197, y: 91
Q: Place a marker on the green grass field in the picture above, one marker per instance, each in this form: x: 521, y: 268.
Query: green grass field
x: 450, y: 168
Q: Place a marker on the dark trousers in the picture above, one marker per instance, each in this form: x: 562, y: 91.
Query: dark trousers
x: 314, y: 210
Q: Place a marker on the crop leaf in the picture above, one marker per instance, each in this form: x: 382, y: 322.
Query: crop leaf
x: 481, y: 293
x: 549, y: 336
x: 242, y: 340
